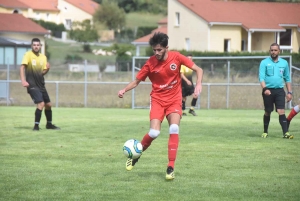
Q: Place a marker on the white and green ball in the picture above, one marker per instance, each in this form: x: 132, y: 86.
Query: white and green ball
x: 132, y: 148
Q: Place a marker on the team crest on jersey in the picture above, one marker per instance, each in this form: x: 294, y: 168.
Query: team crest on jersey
x: 173, y: 66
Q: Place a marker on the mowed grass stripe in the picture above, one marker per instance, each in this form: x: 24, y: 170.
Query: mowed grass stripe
x: 221, y: 156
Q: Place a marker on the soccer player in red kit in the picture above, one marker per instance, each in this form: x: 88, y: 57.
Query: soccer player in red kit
x: 163, y: 70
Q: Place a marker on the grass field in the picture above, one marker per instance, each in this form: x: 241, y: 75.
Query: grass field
x: 134, y: 20
x: 221, y: 157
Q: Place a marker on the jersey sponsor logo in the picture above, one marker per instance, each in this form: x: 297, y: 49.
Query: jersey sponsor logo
x: 173, y: 66
x: 281, y: 71
x: 33, y: 61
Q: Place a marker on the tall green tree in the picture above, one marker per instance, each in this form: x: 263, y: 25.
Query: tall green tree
x: 111, y: 15
x: 84, y: 32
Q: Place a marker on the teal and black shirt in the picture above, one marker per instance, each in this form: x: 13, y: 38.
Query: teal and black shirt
x: 274, y: 74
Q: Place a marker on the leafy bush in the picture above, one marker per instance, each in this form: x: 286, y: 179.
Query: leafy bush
x: 50, y: 26
x: 143, y: 31
x: 73, y: 58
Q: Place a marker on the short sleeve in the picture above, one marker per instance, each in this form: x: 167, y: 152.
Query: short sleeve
x: 185, y: 61
x: 143, y: 73
x: 25, y: 59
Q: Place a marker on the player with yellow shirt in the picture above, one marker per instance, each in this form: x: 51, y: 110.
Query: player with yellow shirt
x: 188, y: 88
x: 33, y: 68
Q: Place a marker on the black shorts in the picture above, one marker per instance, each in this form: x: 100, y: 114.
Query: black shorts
x: 277, y: 97
x: 38, y: 95
x: 187, y: 90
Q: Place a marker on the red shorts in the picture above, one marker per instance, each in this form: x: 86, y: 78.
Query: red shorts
x: 160, y: 109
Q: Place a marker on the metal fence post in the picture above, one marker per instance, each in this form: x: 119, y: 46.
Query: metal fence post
x: 208, y: 96
x: 57, y: 94
x: 7, y: 83
x: 85, y: 83
x: 228, y: 82
x: 132, y: 91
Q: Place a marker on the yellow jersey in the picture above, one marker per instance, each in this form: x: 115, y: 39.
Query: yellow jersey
x: 186, y: 71
x: 34, y: 66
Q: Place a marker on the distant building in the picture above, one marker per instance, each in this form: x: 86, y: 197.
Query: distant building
x: 229, y: 26
x: 16, y: 33
x: 57, y: 11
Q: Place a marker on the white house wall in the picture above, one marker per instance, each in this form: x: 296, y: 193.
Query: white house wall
x: 71, y: 12
x: 219, y: 33
x: 191, y: 26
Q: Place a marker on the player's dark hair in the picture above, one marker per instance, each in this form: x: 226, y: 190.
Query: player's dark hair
x: 35, y: 40
x: 159, y: 39
x: 275, y: 44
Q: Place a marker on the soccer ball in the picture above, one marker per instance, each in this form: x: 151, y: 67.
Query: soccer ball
x: 132, y: 148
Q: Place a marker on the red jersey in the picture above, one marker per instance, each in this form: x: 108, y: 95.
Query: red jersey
x: 165, y: 76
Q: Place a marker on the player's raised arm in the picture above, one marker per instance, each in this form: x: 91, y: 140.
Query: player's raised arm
x: 130, y: 86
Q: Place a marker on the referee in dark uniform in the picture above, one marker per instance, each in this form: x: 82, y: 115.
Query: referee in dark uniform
x: 273, y: 73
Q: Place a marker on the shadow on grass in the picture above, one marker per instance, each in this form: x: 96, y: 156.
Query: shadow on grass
x: 24, y: 127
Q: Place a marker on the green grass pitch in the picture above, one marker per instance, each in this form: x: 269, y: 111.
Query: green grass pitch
x: 221, y: 157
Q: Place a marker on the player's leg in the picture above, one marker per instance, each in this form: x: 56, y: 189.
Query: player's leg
x: 156, y: 117
x: 48, y: 112
x: 37, y: 98
x: 183, y: 103
x: 269, y: 107
x: 193, y: 105
x: 174, y: 121
x: 280, y: 108
x: 295, y: 110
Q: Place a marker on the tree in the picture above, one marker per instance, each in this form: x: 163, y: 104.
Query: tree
x: 111, y: 15
x: 84, y: 32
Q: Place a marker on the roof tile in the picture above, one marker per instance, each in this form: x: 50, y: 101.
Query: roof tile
x: 252, y: 15
x: 19, y: 23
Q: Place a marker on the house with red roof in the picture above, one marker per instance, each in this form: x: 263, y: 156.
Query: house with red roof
x: 57, y: 11
x: 76, y: 10
x: 228, y: 26
x: 144, y: 41
x: 36, y: 9
x: 16, y: 33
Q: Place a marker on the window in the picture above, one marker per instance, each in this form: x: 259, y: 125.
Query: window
x: 1, y: 55
x: 227, y: 45
x: 9, y: 55
x: 37, y: 16
x: 68, y: 23
x: 285, y: 38
x: 20, y: 53
x: 177, y: 22
x: 243, y: 47
x: 187, y: 44
x: 48, y: 17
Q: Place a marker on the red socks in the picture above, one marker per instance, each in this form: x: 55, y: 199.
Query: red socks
x: 146, y: 141
x: 292, y: 114
x: 172, y: 148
